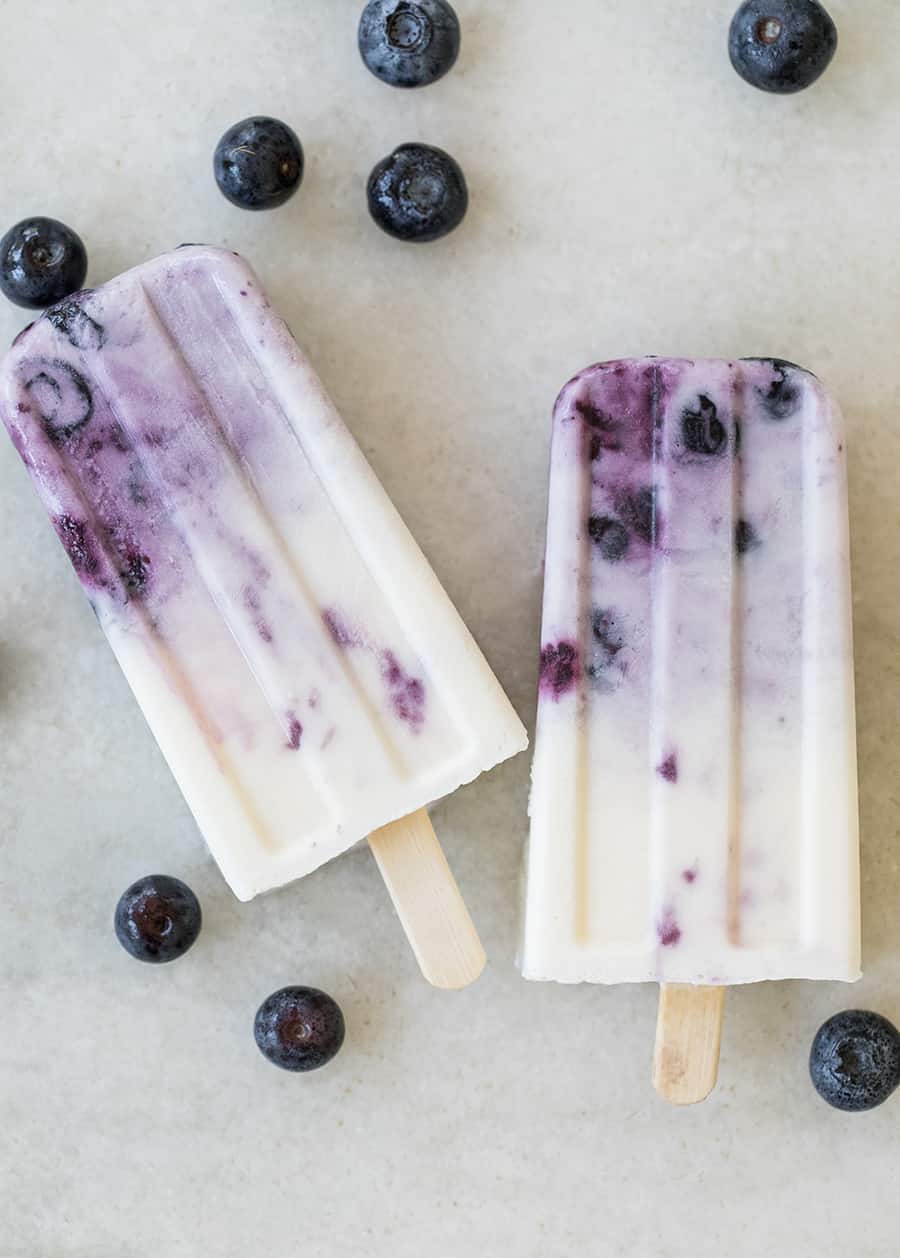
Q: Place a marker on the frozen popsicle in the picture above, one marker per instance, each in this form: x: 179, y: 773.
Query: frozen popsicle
x: 693, y: 811
x: 301, y: 667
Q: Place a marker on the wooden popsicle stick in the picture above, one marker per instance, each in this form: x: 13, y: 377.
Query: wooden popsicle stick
x: 428, y: 901
x: 688, y: 1038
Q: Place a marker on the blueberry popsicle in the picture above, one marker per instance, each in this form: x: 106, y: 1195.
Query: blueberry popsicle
x: 301, y: 667
x: 693, y: 813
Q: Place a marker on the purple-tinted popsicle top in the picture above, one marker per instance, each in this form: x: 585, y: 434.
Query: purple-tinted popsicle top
x: 297, y: 659
x: 695, y: 628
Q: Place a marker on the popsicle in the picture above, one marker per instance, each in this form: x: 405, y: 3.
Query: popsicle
x: 693, y: 810
x: 303, y: 671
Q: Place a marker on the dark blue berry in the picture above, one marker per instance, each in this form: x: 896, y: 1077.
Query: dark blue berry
x: 610, y: 535
x: 781, y: 45
x: 418, y: 193
x: 41, y: 262
x: 855, y: 1060
x: 158, y: 919
x: 784, y: 396
x: 701, y: 429
x: 258, y: 163
x: 299, y: 1028
x: 409, y: 44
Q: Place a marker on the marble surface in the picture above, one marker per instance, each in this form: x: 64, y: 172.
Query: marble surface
x: 629, y: 195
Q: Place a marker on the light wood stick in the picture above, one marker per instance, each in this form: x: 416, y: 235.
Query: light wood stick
x: 688, y: 1038
x: 428, y: 901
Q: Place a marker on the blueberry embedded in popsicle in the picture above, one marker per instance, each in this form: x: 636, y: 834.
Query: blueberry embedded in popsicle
x: 702, y: 432
x: 407, y: 693
x: 418, y: 193
x: 667, y: 930
x: 258, y: 163
x: 299, y: 1028
x: 606, y: 644
x: 668, y: 768
x: 746, y: 537
x: 158, y: 919
x: 77, y: 326
x: 41, y: 262
x: 610, y: 536
x: 136, y: 574
x: 854, y: 1062
x: 784, y: 396
x: 79, y: 546
x: 781, y: 46
x: 409, y: 44
x: 61, y: 395
x: 559, y: 668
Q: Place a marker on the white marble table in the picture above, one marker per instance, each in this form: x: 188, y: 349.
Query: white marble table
x: 629, y: 195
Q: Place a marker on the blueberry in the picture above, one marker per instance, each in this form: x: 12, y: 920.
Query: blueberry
x: 409, y: 44
x: 611, y: 536
x: 41, y: 262
x: 781, y: 45
x: 855, y: 1060
x: 258, y: 163
x: 418, y: 193
x: 299, y: 1028
x: 784, y: 396
x: 701, y: 429
x: 157, y: 919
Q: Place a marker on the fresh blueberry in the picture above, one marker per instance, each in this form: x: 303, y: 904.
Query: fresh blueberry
x: 409, y: 44
x: 781, y: 45
x: 299, y: 1028
x: 855, y: 1060
x: 158, y: 919
x: 611, y: 536
x: 701, y: 429
x: 41, y: 262
x: 418, y: 193
x: 258, y: 163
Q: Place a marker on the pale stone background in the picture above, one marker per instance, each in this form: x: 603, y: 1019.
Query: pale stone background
x: 629, y: 195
